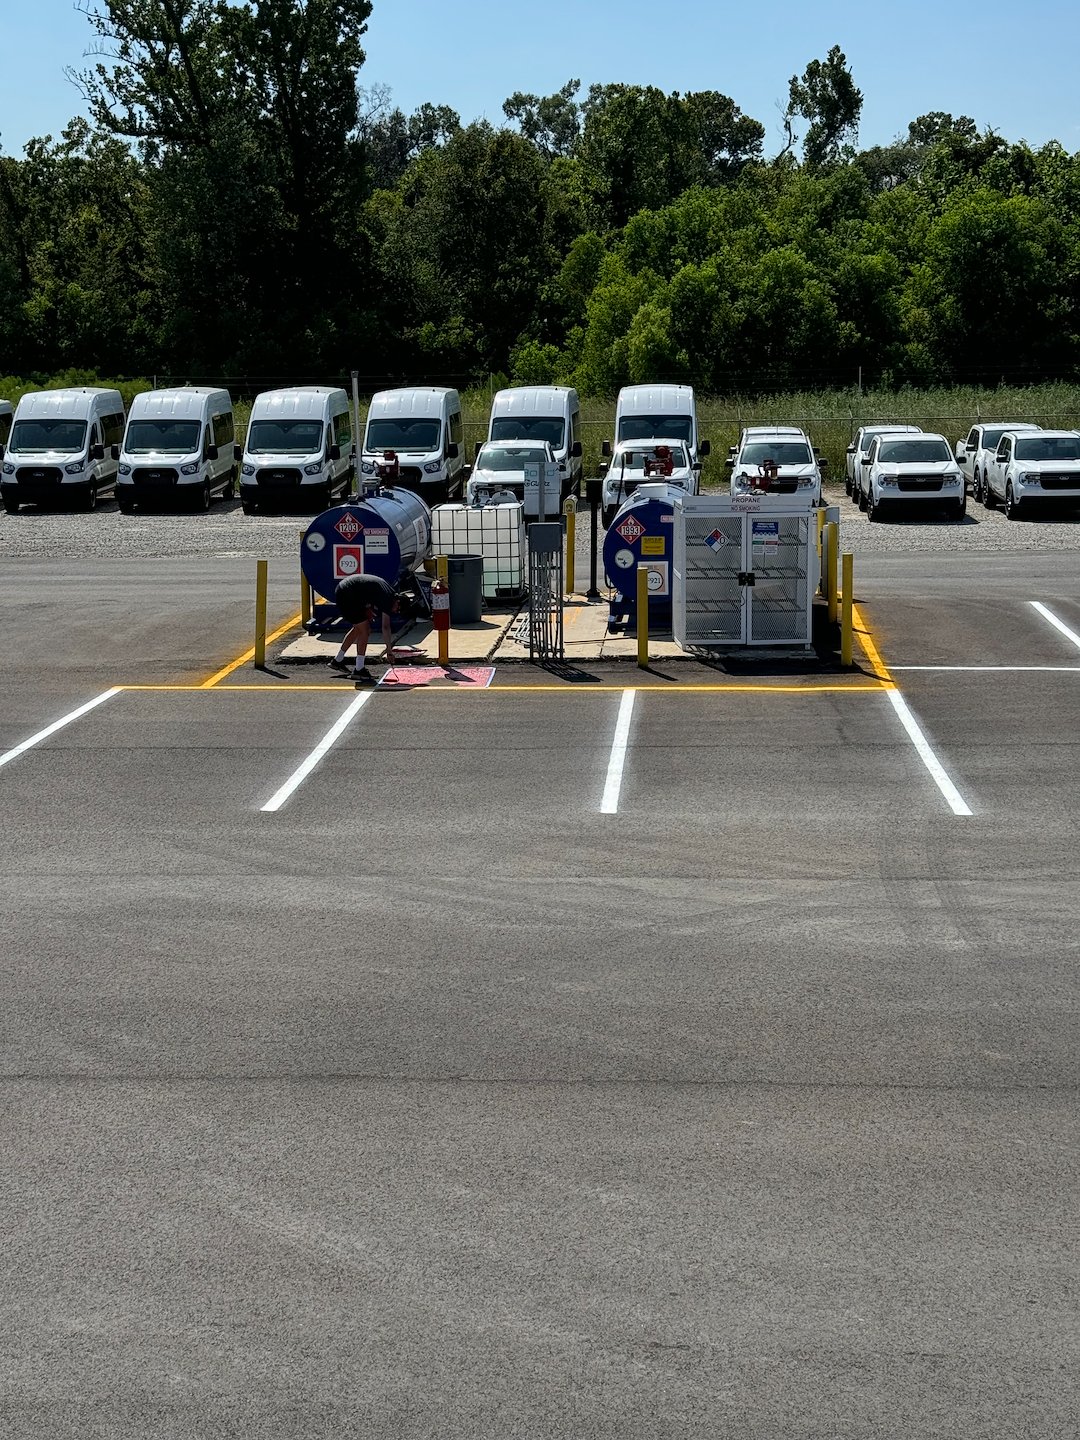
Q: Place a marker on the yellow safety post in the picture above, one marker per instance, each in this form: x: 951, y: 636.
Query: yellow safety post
x: 820, y: 526
x: 643, y: 616
x: 442, y: 572
x: 260, y: 614
x: 846, y: 623
x: 570, y: 511
x: 305, y: 599
x: 832, y: 541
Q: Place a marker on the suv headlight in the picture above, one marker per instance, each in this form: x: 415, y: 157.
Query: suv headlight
x: 887, y: 482
x: 190, y: 469
x: 76, y: 467
x: 1029, y: 477
x: 315, y: 469
x: 806, y: 483
x: 432, y: 467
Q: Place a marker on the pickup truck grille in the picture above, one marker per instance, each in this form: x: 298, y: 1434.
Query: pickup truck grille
x: 919, y: 484
x: 1060, y: 482
x: 154, y: 477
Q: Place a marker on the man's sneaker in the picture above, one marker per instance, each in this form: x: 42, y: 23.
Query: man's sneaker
x: 336, y: 664
x: 365, y: 677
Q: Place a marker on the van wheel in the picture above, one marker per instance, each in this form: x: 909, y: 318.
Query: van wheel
x: 228, y: 490
x: 249, y: 507
x: 89, y: 500
x: 125, y: 502
x: 200, y: 500
x: 11, y: 505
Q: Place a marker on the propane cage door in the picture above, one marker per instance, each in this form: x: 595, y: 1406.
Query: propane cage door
x: 780, y: 600
x: 707, y: 591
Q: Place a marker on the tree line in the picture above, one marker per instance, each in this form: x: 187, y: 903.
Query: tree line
x: 238, y: 204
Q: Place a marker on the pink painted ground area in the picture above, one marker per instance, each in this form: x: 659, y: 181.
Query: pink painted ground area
x: 469, y: 676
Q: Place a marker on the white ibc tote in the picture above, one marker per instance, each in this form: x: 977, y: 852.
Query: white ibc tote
x: 496, y: 532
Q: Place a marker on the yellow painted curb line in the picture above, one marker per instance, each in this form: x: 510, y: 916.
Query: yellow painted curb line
x: 233, y: 664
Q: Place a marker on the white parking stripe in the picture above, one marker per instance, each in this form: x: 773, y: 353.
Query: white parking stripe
x: 303, y: 771
x: 609, y: 805
x: 59, y: 724
x: 996, y: 669
x: 957, y: 804
x: 1057, y: 624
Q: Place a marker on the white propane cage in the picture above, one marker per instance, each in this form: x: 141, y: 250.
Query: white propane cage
x: 743, y: 574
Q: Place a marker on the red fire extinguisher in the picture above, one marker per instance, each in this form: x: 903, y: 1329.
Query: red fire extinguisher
x: 440, y: 605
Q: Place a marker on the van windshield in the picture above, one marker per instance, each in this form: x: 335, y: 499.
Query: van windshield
x: 66, y: 437
x: 1049, y: 447
x: 163, y: 437
x: 652, y: 427
x: 284, y: 437
x: 524, y: 427
x: 784, y: 452
x: 403, y: 434
x: 509, y: 459
x: 913, y: 452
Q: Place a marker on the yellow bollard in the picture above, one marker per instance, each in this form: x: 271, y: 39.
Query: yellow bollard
x: 442, y: 572
x: 820, y: 527
x: 643, y: 616
x: 846, y: 624
x: 571, y: 542
x: 260, y: 614
x: 305, y: 599
x: 832, y: 541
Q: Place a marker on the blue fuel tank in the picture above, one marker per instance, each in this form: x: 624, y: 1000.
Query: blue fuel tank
x: 642, y: 533
x: 387, y: 534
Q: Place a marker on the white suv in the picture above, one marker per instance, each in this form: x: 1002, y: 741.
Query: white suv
x: 912, y: 469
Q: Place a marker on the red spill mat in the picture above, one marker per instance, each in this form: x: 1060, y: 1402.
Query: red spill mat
x: 470, y: 676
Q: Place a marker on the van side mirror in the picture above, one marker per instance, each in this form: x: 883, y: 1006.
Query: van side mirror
x: 705, y: 448
x: 97, y: 452
x: 334, y: 452
x: 238, y: 453
x: 605, y: 447
x: 452, y: 451
x: 575, y: 450
x: 114, y: 452
x: 211, y: 452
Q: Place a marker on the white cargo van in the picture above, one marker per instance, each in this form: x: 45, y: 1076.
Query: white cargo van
x: 63, y: 447
x: 548, y: 413
x: 298, y: 447
x: 178, y: 446
x: 422, y: 426
x: 658, y: 412
x: 7, y: 415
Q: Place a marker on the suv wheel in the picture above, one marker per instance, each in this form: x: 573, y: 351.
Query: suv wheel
x: 1012, y: 505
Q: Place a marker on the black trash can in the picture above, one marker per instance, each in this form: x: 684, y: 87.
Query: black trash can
x: 465, y: 574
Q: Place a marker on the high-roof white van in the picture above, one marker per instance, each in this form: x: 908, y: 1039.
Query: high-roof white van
x: 658, y: 412
x: 546, y: 413
x: 298, y: 447
x: 7, y: 415
x: 422, y: 425
x: 63, y: 447
x: 178, y: 446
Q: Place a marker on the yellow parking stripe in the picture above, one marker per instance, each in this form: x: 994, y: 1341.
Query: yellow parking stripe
x: 870, y: 650
x: 235, y: 664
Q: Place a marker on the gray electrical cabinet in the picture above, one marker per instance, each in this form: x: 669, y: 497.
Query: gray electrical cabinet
x: 743, y: 575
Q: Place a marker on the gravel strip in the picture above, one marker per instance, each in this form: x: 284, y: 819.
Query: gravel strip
x: 225, y: 530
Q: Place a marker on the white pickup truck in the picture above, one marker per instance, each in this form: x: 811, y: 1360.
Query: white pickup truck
x: 974, y: 454
x: 859, y: 449
x: 1033, y: 469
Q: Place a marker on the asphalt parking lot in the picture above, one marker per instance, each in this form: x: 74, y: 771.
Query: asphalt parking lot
x: 544, y: 1062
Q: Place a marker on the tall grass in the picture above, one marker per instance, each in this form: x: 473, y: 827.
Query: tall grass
x: 829, y: 417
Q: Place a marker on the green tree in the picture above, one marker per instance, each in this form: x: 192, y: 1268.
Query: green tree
x: 551, y: 122
x: 826, y: 96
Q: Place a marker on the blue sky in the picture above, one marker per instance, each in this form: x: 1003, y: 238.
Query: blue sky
x: 1011, y: 68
